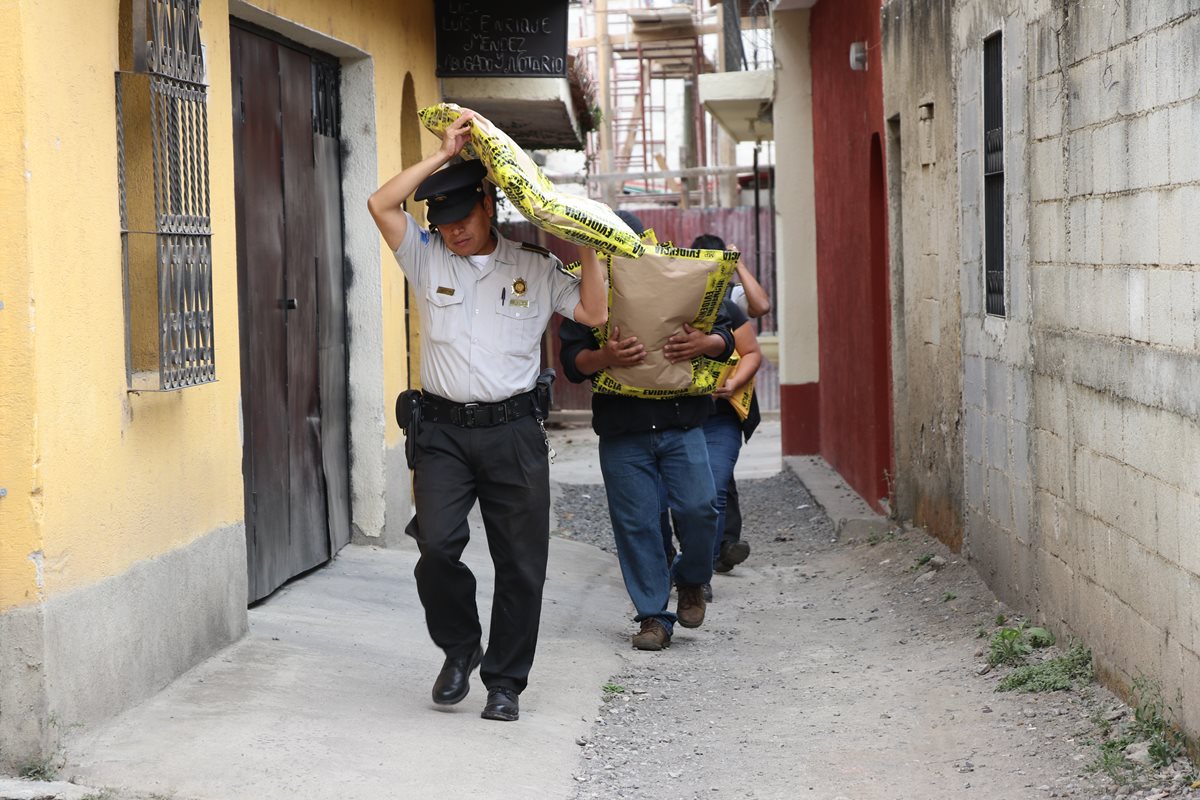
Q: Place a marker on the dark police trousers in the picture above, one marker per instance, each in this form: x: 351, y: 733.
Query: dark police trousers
x: 506, y: 467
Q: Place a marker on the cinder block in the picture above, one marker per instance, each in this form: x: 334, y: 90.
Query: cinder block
x: 1158, y: 290
x: 973, y: 435
x: 1050, y: 405
x: 1050, y: 462
x: 1022, y: 397
x: 999, y: 495
x: 1144, y: 88
x: 996, y: 429
x: 1188, y: 55
x: 1188, y: 530
x: 970, y: 126
x: 1055, y: 582
x: 1157, y: 147
x: 1164, y: 538
x: 1142, y: 227
x: 996, y: 377
x: 1019, y: 452
x: 1086, y: 481
x: 1048, y: 512
x: 1022, y: 508
x: 1049, y: 104
x: 1044, y: 45
x: 1137, y: 164
x: 1188, y: 198
x: 1114, y: 300
x: 1084, y: 81
x: 1139, y: 320
x: 970, y: 183
x: 1173, y: 220
x: 1183, y: 308
x: 1046, y: 169
x: 1079, y: 163
x: 976, y: 488
x: 1166, y: 74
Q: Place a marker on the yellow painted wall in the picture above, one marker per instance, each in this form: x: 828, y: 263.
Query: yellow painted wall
x: 19, y: 536
x: 102, y: 479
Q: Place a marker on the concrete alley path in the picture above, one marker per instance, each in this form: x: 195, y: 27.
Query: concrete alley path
x: 830, y: 666
x: 328, y: 696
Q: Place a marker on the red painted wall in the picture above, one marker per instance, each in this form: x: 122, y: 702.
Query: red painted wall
x: 852, y: 274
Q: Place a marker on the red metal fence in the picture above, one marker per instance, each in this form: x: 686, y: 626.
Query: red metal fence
x: 679, y: 226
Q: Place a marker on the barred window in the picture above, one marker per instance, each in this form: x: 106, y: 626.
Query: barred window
x: 993, y: 172
x: 166, y: 229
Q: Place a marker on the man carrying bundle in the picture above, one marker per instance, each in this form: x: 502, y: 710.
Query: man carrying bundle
x: 484, y: 304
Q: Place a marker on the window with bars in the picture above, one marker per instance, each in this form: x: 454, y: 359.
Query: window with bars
x: 993, y: 173
x: 166, y: 229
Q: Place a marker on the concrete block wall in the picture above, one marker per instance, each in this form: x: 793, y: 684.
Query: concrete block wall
x: 926, y: 327
x: 997, y: 358
x: 1116, y: 436
x: 1081, y: 441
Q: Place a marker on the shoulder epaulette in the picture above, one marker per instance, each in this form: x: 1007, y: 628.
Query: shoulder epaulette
x: 534, y: 248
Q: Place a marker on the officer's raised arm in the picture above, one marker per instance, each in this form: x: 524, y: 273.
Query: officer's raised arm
x: 592, y: 309
x: 387, y: 203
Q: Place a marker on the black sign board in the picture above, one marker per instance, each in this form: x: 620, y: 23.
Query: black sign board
x: 519, y: 38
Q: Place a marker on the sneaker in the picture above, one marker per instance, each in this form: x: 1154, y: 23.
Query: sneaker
x: 690, y: 610
x: 652, y: 636
x: 733, y: 552
x: 707, y: 587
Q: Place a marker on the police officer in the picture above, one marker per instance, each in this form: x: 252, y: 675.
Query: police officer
x: 484, y: 304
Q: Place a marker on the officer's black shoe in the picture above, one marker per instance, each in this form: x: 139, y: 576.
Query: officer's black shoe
x: 502, y: 705
x: 454, y: 681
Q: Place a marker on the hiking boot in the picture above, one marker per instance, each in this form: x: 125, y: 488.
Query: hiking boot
x: 652, y: 636
x: 690, y: 610
x: 733, y: 552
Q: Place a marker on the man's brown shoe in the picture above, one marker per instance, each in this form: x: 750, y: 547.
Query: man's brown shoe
x: 691, y: 606
x: 652, y: 636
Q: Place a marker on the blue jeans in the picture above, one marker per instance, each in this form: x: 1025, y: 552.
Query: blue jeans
x: 723, y: 433
x: 633, y: 466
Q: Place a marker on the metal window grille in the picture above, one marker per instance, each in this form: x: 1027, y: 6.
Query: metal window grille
x: 993, y: 173
x: 166, y: 228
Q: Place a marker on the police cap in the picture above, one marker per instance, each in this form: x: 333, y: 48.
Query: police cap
x: 451, y: 193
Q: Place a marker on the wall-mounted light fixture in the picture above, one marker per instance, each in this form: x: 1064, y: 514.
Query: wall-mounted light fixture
x: 858, y: 56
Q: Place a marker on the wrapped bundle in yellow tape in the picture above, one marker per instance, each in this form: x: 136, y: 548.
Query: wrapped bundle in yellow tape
x: 651, y: 298
x: 742, y: 398
x: 567, y: 216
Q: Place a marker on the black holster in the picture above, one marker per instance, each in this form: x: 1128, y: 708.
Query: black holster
x: 408, y: 417
x: 542, y: 394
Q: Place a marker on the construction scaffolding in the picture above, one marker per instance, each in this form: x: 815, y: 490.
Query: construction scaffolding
x: 646, y: 57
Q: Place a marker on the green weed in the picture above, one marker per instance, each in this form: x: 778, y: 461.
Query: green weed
x: 45, y: 769
x: 1008, y: 647
x: 948, y: 596
x: 613, y: 688
x: 1054, y: 675
x: 1150, y: 723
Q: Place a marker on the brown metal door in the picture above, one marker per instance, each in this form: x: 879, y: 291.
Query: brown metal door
x: 292, y: 318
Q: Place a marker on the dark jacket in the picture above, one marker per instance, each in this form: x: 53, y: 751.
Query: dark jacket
x: 738, y: 318
x: 613, y: 415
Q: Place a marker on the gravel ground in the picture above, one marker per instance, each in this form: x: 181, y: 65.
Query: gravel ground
x: 848, y: 670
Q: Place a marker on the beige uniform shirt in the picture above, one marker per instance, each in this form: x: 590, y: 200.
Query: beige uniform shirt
x: 481, y: 330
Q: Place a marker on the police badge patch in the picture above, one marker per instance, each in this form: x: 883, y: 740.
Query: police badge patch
x: 519, y: 287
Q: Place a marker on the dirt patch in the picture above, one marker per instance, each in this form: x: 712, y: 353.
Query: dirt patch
x: 854, y: 669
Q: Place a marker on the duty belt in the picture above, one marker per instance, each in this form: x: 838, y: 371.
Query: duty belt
x: 476, y: 415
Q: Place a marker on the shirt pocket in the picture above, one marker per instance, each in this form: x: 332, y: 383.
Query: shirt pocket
x: 445, y: 322
x: 519, y: 326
